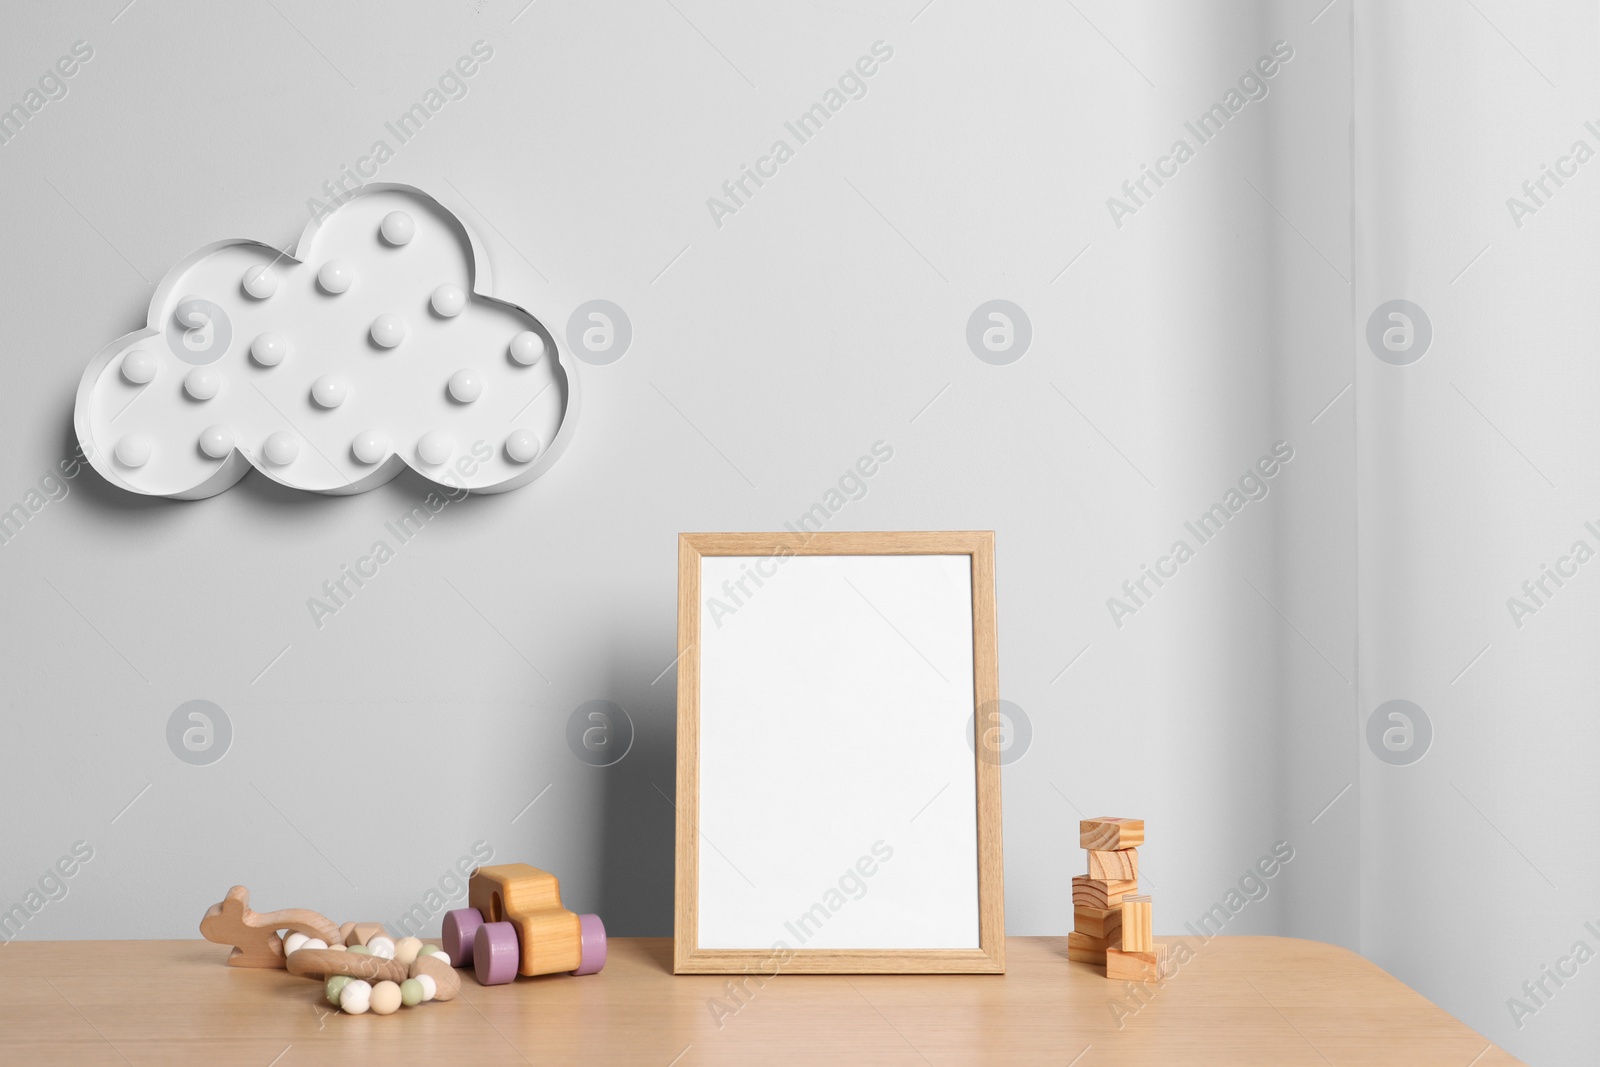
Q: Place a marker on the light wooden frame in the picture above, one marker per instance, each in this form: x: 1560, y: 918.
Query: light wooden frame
x: 688, y: 957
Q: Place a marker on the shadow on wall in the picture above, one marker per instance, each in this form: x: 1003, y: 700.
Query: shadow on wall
x: 636, y: 795
x: 638, y: 819
x: 97, y: 493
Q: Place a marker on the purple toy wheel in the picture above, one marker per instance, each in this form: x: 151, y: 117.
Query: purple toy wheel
x: 495, y: 953
x: 457, y: 932
x: 594, y: 944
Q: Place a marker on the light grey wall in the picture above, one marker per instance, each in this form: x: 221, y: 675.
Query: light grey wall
x: 1477, y: 473
x: 830, y: 312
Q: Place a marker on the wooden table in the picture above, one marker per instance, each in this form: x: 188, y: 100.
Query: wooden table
x: 1240, y: 1001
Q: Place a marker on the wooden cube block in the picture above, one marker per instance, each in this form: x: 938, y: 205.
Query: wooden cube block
x: 1136, y: 932
x: 1084, y: 949
x: 1125, y: 966
x: 1096, y: 944
x: 1110, y: 833
x: 1122, y: 863
x: 1097, y: 922
x: 1130, y: 966
x: 1099, y: 893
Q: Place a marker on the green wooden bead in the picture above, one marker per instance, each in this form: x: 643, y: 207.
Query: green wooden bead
x: 360, y: 950
x: 427, y: 950
x: 336, y: 986
x: 410, y: 992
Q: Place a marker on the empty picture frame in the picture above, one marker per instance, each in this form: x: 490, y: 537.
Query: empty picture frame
x: 834, y: 814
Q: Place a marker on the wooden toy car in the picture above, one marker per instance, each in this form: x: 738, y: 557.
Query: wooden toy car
x: 514, y: 924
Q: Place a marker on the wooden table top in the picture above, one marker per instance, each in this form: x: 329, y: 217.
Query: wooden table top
x: 1239, y: 1001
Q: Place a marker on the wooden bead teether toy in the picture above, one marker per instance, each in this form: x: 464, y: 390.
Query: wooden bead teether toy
x: 514, y: 924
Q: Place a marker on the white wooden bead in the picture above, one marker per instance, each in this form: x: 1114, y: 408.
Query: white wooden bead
x: 430, y: 988
x: 443, y: 957
x: 294, y: 943
x: 314, y: 942
x: 382, y: 947
x: 356, y: 997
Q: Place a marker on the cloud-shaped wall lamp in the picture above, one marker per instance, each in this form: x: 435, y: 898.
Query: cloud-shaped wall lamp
x: 371, y: 349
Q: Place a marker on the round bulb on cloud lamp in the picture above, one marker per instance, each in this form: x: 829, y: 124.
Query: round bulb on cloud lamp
x: 435, y: 447
x: 216, y: 441
x: 269, y: 349
x: 138, y: 366
x: 522, y: 445
x: 202, y: 383
x: 329, y: 391
x: 449, y: 300
x: 398, y: 228
x: 260, y: 281
x: 466, y: 385
x: 370, y: 446
x: 133, y: 450
x: 388, y: 330
x: 281, y: 448
x: 336, y: 276
x: 527, y: 348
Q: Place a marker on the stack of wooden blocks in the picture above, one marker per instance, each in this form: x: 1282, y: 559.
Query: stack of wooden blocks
x: 1111, y: 921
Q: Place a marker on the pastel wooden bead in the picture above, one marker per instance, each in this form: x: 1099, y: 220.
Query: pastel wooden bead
x: 335, y: 986
x: 361, y: 950
x: 411, y: 992
x: 310, y: 942
x: 356, y: 997
x: 381, y: 946
x: 406, y: 949
x: 430, y: 988
x: 445, y: 979
x: 385, y: 998
x: 295, y: 941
